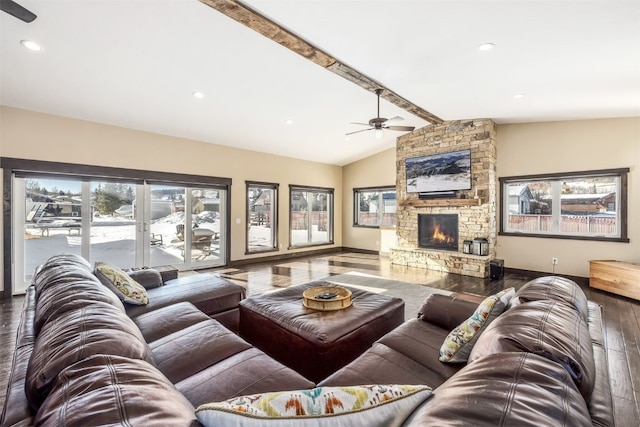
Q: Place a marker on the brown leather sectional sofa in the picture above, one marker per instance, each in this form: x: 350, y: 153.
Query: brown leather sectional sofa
x: 542, y: 362
x: 83, y: 359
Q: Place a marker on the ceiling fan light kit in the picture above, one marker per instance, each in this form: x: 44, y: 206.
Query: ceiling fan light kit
x: 379, y: 124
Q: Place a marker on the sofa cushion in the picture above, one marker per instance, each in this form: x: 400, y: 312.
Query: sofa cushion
x: 207, y: 343
x: 421, y: 342
x: 99, y: 328
x: 74, y: 294
x: 127, y: 289
x: 549, y: 328
x: 385, y: 364
x: 459, y: 342
x: 149, y: 278
x: 61, y: 269
x: 165, y: 321
x: 211, y: 294
x: 446, y: 311
x: 506, y: 389
x: 248, y: 372
x: 113, y: 390
x: 366, y: 405
x: 554, y: 288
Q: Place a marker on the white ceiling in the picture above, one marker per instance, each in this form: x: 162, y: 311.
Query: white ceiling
x: 135, y: 64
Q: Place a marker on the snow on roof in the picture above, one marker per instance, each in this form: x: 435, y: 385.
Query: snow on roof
x: 516, y: 190
x: 598, y: 196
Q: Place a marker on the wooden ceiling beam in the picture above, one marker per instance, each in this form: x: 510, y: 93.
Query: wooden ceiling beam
x: 253, y: 19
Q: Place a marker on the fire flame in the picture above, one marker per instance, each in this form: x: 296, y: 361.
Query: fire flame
x: 440, y: 237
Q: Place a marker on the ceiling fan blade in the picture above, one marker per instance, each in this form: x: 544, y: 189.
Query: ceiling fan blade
x: 363, y: 124
x: 395, y: 119
x: 400, y: 128
x: 14, y: 9
x: 357, y: 131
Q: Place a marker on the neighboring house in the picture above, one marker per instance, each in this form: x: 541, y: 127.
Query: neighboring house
x: 389, y: 202
x: 298, y: 202
x: 262, y: 203
x: 520, y: 199
x: 208, y: 204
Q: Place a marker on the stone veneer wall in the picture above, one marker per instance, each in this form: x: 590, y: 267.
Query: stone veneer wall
x: 476, y: 216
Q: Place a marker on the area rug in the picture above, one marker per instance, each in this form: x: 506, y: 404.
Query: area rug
x: 412, y: 294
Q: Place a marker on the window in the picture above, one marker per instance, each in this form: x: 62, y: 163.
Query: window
x: 311, y: 216
x: 373, y: 207
x: 262, y: 217
x: 580, y: 205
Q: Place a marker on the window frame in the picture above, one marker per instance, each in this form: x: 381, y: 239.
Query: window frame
x: 274, y: 215
x: 356, y: 204
x: 330, y: 215
x: 622, y: 197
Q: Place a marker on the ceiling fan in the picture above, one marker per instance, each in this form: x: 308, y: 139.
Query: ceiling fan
x: 14, y: 9
x: 380, y: 123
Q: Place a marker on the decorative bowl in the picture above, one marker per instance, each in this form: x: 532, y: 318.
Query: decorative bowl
x: 326, y: 298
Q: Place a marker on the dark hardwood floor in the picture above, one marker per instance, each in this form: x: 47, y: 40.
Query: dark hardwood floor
x: 621, y: 315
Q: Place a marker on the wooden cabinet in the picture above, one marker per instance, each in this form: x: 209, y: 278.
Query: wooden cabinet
x: 618, y: 277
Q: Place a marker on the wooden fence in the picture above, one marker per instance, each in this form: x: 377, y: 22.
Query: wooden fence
x: 371, y: 218
x: 568, y: 224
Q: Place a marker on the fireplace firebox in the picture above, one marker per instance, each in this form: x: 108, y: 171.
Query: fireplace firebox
x: 438, y: 231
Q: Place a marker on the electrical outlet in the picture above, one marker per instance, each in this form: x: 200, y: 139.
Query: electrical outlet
x: 554, y: 261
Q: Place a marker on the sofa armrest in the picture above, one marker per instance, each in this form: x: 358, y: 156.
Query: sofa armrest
x: 446, y: 311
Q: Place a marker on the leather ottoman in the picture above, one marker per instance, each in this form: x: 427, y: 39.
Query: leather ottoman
x: 317, y: 343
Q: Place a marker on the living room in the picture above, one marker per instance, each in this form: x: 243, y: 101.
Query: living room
x: 555, y: 140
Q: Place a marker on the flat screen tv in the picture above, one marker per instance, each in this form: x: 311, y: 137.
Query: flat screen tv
x: 437, y: 173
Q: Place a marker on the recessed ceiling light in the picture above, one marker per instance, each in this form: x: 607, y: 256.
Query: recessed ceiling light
x: 289, y: 122
x: 346, y: 138
x: 486, y: 46
x: 518, y: 96
x: 31, y: 45
x: 198, y: 95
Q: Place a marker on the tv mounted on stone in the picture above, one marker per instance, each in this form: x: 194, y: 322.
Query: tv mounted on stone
x: 439, y: 175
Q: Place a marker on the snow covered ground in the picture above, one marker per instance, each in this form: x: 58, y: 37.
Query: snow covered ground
x: 112, y: 240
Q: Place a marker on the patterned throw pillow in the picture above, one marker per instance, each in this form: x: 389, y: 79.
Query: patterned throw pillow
x: 458, y: 344
x: 127, y: 289
x: 367, y: 405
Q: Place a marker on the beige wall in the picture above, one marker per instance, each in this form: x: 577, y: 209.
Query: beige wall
x: 373, y: 171
x: 30, y: 135
x: 565, y: 147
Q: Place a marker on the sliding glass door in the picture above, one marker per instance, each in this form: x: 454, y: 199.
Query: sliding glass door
x: 186, y: 226
x: 123, y: 223
x: 50, y: 217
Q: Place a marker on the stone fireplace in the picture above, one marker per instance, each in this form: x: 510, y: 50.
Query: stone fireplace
x: 474, y: 210
x: 438, y: 231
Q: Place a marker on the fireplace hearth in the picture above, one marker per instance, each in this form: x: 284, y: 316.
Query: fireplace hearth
x: 438, y: 231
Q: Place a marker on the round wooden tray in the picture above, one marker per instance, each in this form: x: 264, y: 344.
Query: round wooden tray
x: 338, y: 298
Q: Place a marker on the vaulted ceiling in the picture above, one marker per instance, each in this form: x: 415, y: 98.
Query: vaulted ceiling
x: 136, y: 64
